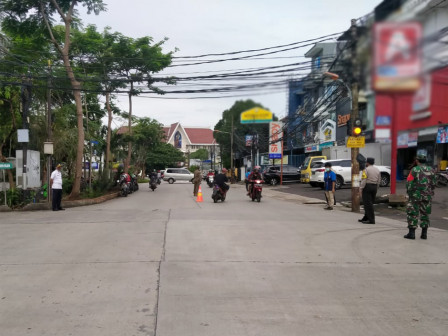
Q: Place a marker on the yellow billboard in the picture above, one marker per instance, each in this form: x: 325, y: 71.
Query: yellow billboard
x: 256, y: 115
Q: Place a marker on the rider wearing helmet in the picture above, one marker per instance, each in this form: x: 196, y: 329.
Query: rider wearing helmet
x: 254, y: 175
x: 221, y: 179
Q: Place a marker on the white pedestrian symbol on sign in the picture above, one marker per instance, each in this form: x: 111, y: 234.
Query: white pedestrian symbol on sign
x: 398, y: 45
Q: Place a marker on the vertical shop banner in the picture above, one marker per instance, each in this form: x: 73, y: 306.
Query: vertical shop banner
x: 249, y: 140
x: 275, y: 139
x: 442, y: 134
x: 412, y: 139
x: 397, y: 56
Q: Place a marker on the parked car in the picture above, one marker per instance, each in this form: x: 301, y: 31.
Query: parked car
x: 343, y: 170
x: 177, y: 174
x: 271, y: 174
x: 307, y: 165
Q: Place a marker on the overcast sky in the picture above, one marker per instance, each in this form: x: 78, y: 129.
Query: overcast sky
x: 198, y: 27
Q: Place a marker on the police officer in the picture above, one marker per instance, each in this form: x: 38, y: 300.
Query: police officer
x: 369, y: 188
x: 420, y: 186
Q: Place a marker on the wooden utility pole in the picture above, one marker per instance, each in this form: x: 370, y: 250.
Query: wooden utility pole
x: 49, y: 129
x: 353, y: 116
x: 232, y: 173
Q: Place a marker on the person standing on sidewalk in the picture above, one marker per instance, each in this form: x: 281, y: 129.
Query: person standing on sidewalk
x: 197, y: 181
x: 420, y: 186
x: 369, y: 188
x: 329, y: 185
x: 56, y: 188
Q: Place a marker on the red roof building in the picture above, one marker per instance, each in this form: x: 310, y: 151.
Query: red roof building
x: 190, y: 139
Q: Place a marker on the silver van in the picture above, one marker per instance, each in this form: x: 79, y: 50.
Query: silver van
x: 172, y: 175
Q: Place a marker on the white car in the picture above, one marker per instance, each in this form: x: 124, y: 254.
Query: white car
x: 343, y: 170
x: 177, y: 174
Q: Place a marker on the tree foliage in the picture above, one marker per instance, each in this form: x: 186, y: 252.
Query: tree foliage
x: 240, y: 131
x: 200, y: 154
x: 164, y: 155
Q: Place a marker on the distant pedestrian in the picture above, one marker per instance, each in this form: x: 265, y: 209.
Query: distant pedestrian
x: 420, y: 186
x: 329, y: 185
x: 197, y: 181
x: 369, y: 187
x: 247, y: 179
x: 56, y: 188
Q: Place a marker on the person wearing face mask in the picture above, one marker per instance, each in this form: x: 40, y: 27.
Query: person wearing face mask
x: 369, y: 187
x: 329, y: 185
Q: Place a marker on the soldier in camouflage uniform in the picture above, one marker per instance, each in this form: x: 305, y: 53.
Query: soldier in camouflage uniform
x: 420, y: 187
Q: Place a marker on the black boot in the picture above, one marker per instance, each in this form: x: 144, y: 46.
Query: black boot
x: 411, y: 234
x: 424, y: 233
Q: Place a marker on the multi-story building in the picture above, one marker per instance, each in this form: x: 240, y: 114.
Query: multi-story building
x: 422, y: 116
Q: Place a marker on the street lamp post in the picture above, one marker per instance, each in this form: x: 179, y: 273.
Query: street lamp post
x: 232, y: 173
x: 354, y: 114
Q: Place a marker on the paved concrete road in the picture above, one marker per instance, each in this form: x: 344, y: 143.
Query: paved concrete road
x: 158, y: 263
x: 439, y: 216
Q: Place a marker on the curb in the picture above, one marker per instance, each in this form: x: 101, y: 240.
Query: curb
x: 65, y: 204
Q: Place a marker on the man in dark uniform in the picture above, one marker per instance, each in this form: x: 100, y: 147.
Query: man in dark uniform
x: 369, y: 188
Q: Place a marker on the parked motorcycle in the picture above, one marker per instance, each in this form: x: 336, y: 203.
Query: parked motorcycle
x: 210, y: 180
x: 255, y: 190
x: 134, y: 183
x: 218, y: 194
x: 441, y: 179
x: 124, y: 187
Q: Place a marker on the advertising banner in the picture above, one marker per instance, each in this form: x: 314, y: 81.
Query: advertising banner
x: 442, y: 134
x: 397, y: 56
x: 275, y: 140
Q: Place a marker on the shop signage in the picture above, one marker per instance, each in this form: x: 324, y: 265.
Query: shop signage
x: 327, y: 131
x: 442, y: 134
x: 311, y: 148
x: 275, y: 140
x: 382, y: 134
x: 407, y: 139
x: 402, y: 140
x: 255, y: 116
x: 6, y: 165
x: 249, y: 140
x: 343, y: 120
x: 356, y: 142
x: 383, y: 120
x: 397, y: 59
x: 325, y: 145
x: 412, y: 139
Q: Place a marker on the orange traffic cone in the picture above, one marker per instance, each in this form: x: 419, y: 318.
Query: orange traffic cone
x: 199, y: 199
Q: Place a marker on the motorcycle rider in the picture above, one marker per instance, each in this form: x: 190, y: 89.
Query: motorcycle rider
x: 221, y: 179
x: 153, y: 177
x: 210, y: 173
x: 254, y: 175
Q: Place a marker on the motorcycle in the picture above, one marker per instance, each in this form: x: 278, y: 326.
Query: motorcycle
x: 134, y: 183
x: 210, y: 180
x: 153, y: 183
x: 441, y: 179
x: 124, y: 188
x: 218, y: 194
x: 255, y: 190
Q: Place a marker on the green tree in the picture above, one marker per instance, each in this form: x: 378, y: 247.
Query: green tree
x: 137, y: 60
x: 29, y: 18
x: 164, y: 155
x: 147, y: 135
x: 239, y: 131
x: 200, y: 154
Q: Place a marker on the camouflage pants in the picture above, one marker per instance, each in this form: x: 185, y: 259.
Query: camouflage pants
x: 416, y: 209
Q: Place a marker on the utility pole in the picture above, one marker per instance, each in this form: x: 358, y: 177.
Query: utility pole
x: 26, y: 98
x: 353, y: 116
x: 232, y: 173
x: 49, y: 129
